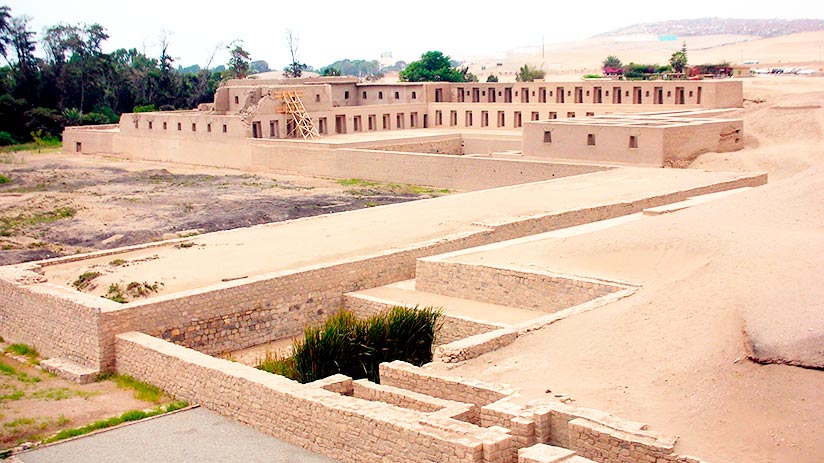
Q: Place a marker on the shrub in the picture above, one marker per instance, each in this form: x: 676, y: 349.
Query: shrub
x: 7, y: 139
x: 145, y: 108
x: 4, y: 179
x: 355, y: 347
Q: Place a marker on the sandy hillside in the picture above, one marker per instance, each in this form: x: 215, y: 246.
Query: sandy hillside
x: 783, y: 128
x: 563, y: 60
x: 736, y: 277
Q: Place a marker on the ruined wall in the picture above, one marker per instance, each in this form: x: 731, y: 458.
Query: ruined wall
x: 529, y: 290
x: 346, y: 428
x: 687, y: 142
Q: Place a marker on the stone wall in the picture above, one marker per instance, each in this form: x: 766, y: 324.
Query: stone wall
x: 452, y: 329
x: 345, y: 428
x: 452, y: 145
x: 244, y: 313
x: 58, y: 322
x: 530, y: 290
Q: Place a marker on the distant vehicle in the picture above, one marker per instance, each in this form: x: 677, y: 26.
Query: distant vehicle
x: 750, y: 61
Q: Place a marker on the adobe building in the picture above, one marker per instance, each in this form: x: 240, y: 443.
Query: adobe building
x: 668, y: 139
x: 249, y: 117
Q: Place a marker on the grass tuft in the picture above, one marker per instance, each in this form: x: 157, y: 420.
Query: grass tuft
x: 355, y: 347
x: 131, y: 415
x: 4, y: 179
x: 85, y: 280
x: 23, y: 349
x: 142, y: 391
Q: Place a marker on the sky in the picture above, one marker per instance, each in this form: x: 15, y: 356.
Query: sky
x: 365, y: 29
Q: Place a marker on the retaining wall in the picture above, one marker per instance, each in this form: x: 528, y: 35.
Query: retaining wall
x: 345, y: 428
x: 503, y: 286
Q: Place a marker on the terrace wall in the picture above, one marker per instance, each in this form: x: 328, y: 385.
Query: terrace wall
x: 346, y: 428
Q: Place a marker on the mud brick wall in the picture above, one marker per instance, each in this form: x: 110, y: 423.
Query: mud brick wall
x: 453, y: 328
x: 345, y: 428
x: 541, y: 291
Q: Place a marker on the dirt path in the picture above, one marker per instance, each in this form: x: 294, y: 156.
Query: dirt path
x: 58, y: 204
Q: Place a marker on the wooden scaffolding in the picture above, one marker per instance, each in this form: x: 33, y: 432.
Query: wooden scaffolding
x: 303, y: 126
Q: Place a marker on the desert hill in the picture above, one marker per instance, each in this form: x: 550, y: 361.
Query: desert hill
x: 721, y: 26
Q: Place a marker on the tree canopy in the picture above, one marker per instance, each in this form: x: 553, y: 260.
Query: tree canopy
x: 527, y: 74
x: 678, y: 60
x: 434, y: 66
x: 77, y: 83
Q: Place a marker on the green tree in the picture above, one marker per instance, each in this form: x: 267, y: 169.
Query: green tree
x: 527, y: 74
x: 492, y: 78
x: 611, y: 64
x: 329, y: 72
x: 434, y: 66
x: 678, y: 60
x: 238, y: 63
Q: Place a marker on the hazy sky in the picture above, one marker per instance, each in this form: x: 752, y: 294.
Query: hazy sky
x: 331, y: 30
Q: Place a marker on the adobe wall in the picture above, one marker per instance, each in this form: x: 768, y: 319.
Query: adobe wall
x: 346, y: 428
x: 89, y: 140
x: 452, y: 172
x: 687, y: 142
x: 569, y: 142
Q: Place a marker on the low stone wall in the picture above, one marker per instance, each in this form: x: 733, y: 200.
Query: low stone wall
x: 452, y: 145
x: 529, y: 290
x: 453, y: 328
x: 405, y: 376
x: 244, y: 313
x: 58, y: 322
x: 345, y: 428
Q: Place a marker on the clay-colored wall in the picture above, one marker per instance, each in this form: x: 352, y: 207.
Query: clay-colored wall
x: 453, y: 172
x: 569, y: 142
x: 345, y: 428
x: 530, y: 290
x: 99, y: 139
x: 687, y: 142
x: 406, y: 94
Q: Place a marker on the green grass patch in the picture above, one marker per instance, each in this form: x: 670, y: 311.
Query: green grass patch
x: 15, y: 394
x: 22, y: 349
x: 142, y: 391
x: 4, y: 179
x: 47, y: 143
x: 356, y: 182
x: 85, y: 280
x: 115, y: 293
x: 117, y: 262
x: 131, y: 415
x: 9, y: 225
x: 355, y: 347
x: 60, y: 393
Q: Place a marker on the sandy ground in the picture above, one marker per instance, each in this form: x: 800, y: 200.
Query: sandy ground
x: 783, y: 128
x: 58, y: 204
x: 237, y: 253
x: 723, y: 280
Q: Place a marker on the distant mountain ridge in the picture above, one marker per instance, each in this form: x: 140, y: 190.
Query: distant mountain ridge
x: 714, y: 26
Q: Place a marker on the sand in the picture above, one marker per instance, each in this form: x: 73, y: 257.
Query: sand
x: 721, y: 281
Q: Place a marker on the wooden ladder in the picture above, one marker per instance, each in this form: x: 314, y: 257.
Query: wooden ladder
x: 292, y: 105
